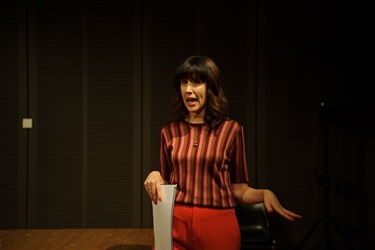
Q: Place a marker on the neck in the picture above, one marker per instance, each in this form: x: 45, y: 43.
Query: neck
x: 194, y: 119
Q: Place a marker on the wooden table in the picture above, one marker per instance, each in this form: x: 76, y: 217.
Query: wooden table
x: 82, y: 239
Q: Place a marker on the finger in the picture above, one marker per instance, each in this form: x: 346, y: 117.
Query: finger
x: 149, y: 190
x: 294, y: 215
x: 288, y: 214
x: 147, y: 185
x: 159, y: 192
x: 268, y: 207
x: 153, y: 193
x: 283, y: 213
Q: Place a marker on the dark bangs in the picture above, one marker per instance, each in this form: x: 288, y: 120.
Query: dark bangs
x: 193, y: 68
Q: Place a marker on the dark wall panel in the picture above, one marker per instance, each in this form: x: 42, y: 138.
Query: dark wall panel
x: 83, y: 172
x: 111, y: 187
x: 59, y: 124
x: 10, y: 123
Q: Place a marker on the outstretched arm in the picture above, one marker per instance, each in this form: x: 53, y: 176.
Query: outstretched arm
x: 248, y: 195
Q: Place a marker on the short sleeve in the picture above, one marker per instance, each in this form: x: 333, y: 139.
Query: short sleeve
x: 237, y: 162
x: 165, y: 162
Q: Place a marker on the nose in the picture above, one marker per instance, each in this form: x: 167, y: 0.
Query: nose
x: 189, y: 87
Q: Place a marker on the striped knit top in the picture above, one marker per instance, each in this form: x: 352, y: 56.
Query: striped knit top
x: 203, y: 162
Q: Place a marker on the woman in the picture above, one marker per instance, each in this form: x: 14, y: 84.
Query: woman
x: 203, y: 152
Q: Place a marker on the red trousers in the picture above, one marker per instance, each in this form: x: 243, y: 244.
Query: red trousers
x: 199, y: 228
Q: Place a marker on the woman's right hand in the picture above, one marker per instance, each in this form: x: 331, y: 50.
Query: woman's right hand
x: 153, y: 184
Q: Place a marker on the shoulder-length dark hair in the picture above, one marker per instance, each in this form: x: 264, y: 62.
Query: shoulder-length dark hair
x: 205, y: 69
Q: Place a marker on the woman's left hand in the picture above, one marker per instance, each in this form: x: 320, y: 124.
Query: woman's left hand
x: 272, y: 204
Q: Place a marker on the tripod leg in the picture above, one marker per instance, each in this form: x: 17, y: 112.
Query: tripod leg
x: 312, y: 229
x: 328, y: 232
x: 348, y: 242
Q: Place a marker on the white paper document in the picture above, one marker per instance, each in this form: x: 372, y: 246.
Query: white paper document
x: 163, y: 218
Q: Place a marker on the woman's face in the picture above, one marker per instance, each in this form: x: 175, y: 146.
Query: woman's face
x: 194, y: 94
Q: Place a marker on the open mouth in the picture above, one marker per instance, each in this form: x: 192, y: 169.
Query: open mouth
x: 191, y: 100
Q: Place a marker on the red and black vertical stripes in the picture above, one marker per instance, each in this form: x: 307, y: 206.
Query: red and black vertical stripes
x: 204, y: 173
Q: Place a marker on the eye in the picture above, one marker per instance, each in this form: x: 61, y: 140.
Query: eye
x: 197, y: 81
x: 184, y: 81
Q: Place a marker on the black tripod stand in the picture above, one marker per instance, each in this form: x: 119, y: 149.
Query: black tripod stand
x: 326, y: 179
